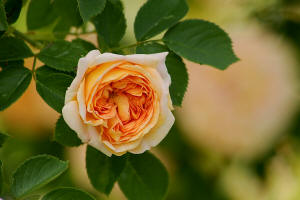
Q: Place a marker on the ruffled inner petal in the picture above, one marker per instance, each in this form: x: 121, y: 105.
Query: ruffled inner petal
x: 126, y: 101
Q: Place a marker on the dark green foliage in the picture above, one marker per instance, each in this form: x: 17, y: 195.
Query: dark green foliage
x: 144, y: 178
x: 111, y: 23
x: 3, y: 20
x: 36, y: 172
x: 13, y: 49
x: 64, y: 135
x: 62, y: 55
x: 103, y: 171
x: 201, y: 42
x: 14, y: 80
x: 52, y: 85
x: 40, y: 13
x: 13, y: 9
x: 156, y: 16
x: 67, y: 194
x: 91, y: 8
x: 176, y: 69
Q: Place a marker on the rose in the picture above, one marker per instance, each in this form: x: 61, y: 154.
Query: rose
x: 120, y: 104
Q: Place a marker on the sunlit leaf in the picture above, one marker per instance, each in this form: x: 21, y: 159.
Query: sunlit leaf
x: 36, y: 172
x: 156, y: 16
x: 202, y: 42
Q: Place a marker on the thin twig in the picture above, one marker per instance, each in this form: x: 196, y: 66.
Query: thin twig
x: 27, y: 39
x: 134, y: 45
x: 33, y: 68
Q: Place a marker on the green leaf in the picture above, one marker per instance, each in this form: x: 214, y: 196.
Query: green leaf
x: 156, y: 15
x: 3, y: 138
x: 61, y: 29
x: 13, y: 49
x: 111, y: 24
x: 176, y: 69
x: 52, y: 85
x: 15, y: 63
x: 103, y: 171
x: 1, y: 177
x: 144, y: 178
x: 62, y: 55
x: 40, y: 14
x: 67, y: 194
x: 35, y: 173
x: 13, y: 83
x: 3, y: 20
x: 64, y: 135
x: 84, y: 44
x: 91, y: 8
x: 13, y: 9
x: 33, y: 197
x: 68, y: 11
x: 202, y: 42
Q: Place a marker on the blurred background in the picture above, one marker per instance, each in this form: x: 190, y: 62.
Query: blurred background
x: 237, y: 134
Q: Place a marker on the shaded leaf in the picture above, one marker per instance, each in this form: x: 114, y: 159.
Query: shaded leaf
x: 36, y: 172
x: 40, y: 13
x: 144, y: 178
x: 64, y: 135
x: 13, y: 83
x: 62, y: 55
x: 1, y: 177
x: 52, y: 85
x: 15, y: 63
x: 13, y: 9
x: 3, y: 20
x: 61, y: 29
x: 156, y: 16
x: 176, y: 69
x: 84, y: 44
x: 13, y: 49
x: 103, y: 171
x: 111, y: 23
x: 91, y: 8
x: 202, y: 42
x: 68, y: 11
x: 3, y: 138
x: 67, y: 194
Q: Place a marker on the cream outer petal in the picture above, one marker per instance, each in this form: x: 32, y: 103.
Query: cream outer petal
x: 87, y: 134
x: 72, y: 118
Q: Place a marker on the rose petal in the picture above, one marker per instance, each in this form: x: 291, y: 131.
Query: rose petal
x: 96, y: 142
x: 72, y: 118
x: 83, y: 65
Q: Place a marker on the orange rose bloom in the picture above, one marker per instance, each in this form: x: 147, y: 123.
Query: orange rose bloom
x: 120, y: 103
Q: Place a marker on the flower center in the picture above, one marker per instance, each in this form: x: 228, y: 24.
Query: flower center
x: 126, y: 105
